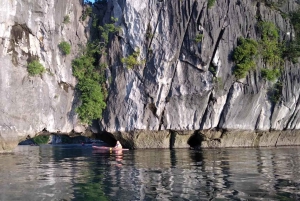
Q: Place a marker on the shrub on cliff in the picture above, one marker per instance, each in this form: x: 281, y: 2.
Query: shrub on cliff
x: 90, y: 85
x: 92, y: 100
x: 91, y: 74
x: 275, y: 92
x: 108, y: 28
x: 132, y: 60
x: 292, y: 50
x: 198, y: 38
x: 211, y: 3
x: 66, y: 19
x: 243, y: 56
x: 65, y: 47
x: 295, y: 20
x: 86, y: 12
x: 35, y: 68
x: 270, y: 74
x: 271, y: 49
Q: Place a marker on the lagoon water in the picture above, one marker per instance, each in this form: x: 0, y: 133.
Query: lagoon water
x: 79, y: 173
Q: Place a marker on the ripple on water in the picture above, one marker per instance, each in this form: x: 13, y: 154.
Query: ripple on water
x: 79, y: 173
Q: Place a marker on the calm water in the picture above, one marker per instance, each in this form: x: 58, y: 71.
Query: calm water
x: 79, y: 173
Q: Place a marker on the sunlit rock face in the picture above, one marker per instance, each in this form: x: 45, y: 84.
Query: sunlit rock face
x: 183, y: 81
x: 32, y: 30
x: 174, y: 88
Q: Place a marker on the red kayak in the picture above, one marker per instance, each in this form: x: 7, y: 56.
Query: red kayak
x: 109, y: 148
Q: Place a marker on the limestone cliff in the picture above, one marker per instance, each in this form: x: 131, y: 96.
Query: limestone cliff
x: 179, y: 86
x: 174, y: 87
x: 30, y: 104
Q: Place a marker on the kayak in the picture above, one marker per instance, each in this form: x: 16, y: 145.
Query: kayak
x: 109, y: 148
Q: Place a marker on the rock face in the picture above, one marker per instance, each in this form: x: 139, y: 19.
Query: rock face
x: 174, y: 89
x: 30, y: 104
x: 183, y: 85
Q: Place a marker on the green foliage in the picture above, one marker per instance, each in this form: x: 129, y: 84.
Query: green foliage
x: 272, y: 52
x: 91, y: 74
x: 271, y: 49
x: 113, y: 19
x: 268, y: 31
x: 295, y: 20
x: 284, y: 15
x: 84, y: 66
x: 95, y: 21
x: 268, y: 47
x: 270, y: 74
x: 89, y: 10
x: 90, y: 84
x: 107, y: 29
x: 212, y: 69
x: 275, y: 92
x: 246, y: 50
x: 292, y: 51
x: 198, y: 38
x: 66, y: 19
x: 218, y: 82
x: 149, y: 35
x: 92, y: 99
x: 131, y: 60
x: 273, y: 4
x: 65, y: 47
x: 242, y: 69
x: 243, y: 56
x: 211, y: 3
x: 41, y: 139
x: 35, y: 68
x: 86, y: 12
x: 93, y: 48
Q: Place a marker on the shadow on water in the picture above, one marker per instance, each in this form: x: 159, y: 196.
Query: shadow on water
x: 173, y: 158
x: 197, y: 156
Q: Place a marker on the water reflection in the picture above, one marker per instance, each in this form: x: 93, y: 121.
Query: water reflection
x: 80, y: 173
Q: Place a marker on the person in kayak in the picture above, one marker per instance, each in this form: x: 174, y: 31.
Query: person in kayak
x: 118, y: 145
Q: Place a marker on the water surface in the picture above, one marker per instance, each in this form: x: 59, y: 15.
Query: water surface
x: 79, y: 173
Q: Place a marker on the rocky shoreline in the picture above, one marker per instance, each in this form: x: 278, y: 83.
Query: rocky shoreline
x: 205, y: 139
x: 169, y: 139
